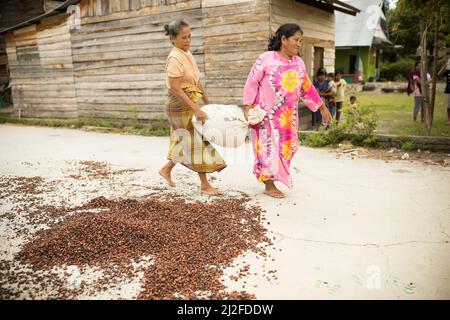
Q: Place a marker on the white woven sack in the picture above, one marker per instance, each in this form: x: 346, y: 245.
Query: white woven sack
x: 225, y: 126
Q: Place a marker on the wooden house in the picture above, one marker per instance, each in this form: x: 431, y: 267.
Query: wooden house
x: 106, y: 58
x: 361, y: 41
x: 13, y: 12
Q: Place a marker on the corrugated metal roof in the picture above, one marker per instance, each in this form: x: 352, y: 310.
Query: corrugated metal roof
x: 332, y: 6
x: 62, y: 8
x: 362, y: 30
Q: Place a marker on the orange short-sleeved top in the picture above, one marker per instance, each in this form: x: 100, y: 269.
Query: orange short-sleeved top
x: 181, y: 64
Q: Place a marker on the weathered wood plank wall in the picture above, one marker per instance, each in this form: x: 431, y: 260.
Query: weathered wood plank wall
x: 41, y: 69
x: 119, y: 56
x: 235, y: 33
x: 317, y: 25
x: 4, y: 74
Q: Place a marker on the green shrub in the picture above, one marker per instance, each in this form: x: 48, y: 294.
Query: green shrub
x: 316, y: 139
x: 155, y: 127
x: 87, y: 118
x: 65, y: 123
x: 331, y: 136
x: 408, y: 145
x: 110, y: 122
x: 336, y: 133
x: 135, y: 118
x: 360, y: 124
x: 397, y: 70
x: 370, y: 142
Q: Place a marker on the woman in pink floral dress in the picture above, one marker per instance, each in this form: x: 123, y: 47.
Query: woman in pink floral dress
x: 276, y: 82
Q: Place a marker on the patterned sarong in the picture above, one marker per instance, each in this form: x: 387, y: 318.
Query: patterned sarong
x: 186, y: 144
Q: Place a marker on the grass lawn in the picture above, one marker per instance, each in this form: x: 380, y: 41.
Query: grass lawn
x: 158, y: 127
x: 395, y: 114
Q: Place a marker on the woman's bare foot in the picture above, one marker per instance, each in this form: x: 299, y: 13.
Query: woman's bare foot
x: 274, y: 193
x: 205, y: 187
x: 209, y: 190
x: 167, y: 177
x: 272, y: 190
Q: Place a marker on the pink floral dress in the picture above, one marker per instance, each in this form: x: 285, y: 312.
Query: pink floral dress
x: 276, y: 85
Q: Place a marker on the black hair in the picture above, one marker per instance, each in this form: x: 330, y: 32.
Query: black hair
x: 331, y: 74
x: 287, y: 30
x: 352, y: 98
x: 321, y: 72
x: 416, y: 64
x: 173, y: 29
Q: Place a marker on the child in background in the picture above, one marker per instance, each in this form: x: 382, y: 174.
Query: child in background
x: 331, y: 91
x: 341, y: 85
x: 418, y: 98
x: 321, y: 85
x: 353, y: 103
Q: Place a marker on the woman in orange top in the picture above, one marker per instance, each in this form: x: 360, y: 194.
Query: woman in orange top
x: 185, y: 92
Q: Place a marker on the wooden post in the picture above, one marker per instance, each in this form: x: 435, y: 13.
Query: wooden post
x: 435, y: 58
x: 424, y: 79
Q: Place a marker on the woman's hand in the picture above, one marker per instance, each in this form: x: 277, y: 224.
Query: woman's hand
x: 246, y: 110
x: 200, y: 116
x: 326, y: 115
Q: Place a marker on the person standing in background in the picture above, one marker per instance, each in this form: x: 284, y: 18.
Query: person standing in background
x: 418, y: 97
x: 341, y: 86
x: 446, y: 72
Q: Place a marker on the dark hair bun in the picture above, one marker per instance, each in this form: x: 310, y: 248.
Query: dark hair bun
x: 174, y: 28
x: 274, y: 43
x: 166, y: 29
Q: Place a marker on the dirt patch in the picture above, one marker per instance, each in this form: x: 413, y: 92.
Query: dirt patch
x: 392, y: 154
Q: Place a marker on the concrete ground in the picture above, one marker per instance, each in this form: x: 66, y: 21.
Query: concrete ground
x: 348, y: 229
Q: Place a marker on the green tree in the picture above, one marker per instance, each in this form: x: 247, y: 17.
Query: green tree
x: 404, y: 24
x: 429, y: 19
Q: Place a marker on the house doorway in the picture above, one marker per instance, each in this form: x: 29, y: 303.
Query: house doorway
x: 352, y: 64
x: 318, y: 59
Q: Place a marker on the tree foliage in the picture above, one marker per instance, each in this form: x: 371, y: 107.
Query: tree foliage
x: 404, y: 23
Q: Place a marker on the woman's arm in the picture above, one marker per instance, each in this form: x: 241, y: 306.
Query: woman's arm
x: 204, y: 97
x: 327, y: 93
x: 252, y: 84
x: 175, y: 88
x: 310, y: 97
